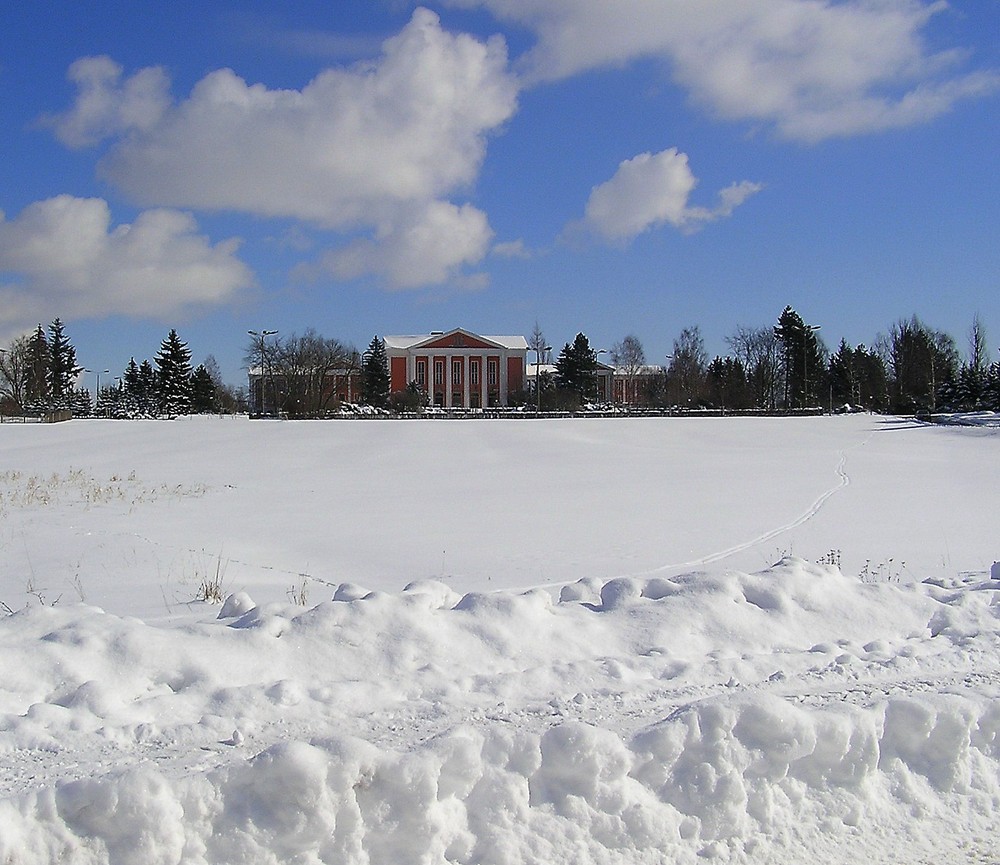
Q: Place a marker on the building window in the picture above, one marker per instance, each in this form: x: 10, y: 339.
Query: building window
x: 474, y: 372
x: 456, y: 371
x: 422, y: 373
x: 439, y: 372
x: 492, y: 371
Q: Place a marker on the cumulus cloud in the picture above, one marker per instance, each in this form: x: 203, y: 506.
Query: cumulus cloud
x: 811, y: 68
x: 425, y: 246
x: 63, y: 256
x: 512, y: 249
x: 361, y: 148
x: 106, y: 105
x: 653, y: 189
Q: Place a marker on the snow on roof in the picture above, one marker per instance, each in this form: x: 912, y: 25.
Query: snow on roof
x: 404, y: 342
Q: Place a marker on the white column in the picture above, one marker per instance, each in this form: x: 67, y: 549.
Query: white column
x: 447, y: 381
x: 503, y: 377
x: 483, y: 373
x: 465, y: 381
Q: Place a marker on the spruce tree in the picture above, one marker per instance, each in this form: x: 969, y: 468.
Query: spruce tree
x: 576, y: 368
x: 375, y: 374
x: 173, y: 362
x: 63, y: 368
x: 802, y: 354
x: 37, y: 391
x: 202, y: 391
x: 147, y: 394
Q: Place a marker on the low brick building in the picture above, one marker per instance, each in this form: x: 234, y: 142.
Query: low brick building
x: 458, y: 368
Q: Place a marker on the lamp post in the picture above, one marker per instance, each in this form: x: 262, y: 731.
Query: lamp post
x: 97, y: 393
x: 261, y: 336
x: 538, y: 376
x: 805, y: 360
x: 597, y: 375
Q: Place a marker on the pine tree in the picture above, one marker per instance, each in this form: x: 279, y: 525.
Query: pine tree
x: 802, y: 359
x: 993, y: 387
x: 63, y: 368
x: 173, y: 362
x: 202, y: 391
x: 37, y: 391
x: 726, y: 380
x: 576, y: 368
x: 148, y: 389
x: 375, y: 374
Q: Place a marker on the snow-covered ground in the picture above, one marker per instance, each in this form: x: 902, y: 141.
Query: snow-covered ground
x: 573, y: 641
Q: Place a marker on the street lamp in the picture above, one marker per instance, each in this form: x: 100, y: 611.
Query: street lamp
x: 597, y: 383
x: 262, y: 336
x: 538, y: 376
x: 97, y: 394
x: 805, y: 360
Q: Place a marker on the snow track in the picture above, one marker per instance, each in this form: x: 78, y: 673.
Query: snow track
x: 843, y: 480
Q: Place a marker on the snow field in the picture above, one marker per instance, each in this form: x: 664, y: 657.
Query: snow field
x: 583, y: 642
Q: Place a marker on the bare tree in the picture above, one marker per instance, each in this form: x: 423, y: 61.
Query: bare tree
x: 542, y: 350
x: 629, y: 358
x: 15, y: 363
x: 537, y: 344
x: 758, y: 349
x: 686, y: 373
x: 979, y: 354
x: 308, y: 368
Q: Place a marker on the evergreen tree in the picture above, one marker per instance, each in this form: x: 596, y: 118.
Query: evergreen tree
x: 993, y: 387
x: 63, y: 368
x: 857, y: 378
x: 138, y: 391
x: 726, y: 383
x: 202, y: 392
x: 922, y: 364
x: 37, y: 390
x: 375, y: 374
x: 80, y: 403
x: 173, y: 363
x: 576, y: 368
x: 803, y: 363
x: 148, y: 391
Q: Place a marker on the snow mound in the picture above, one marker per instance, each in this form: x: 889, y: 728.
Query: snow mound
x: 789, y: 715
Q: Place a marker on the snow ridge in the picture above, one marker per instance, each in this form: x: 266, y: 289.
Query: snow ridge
x: 789, y: 715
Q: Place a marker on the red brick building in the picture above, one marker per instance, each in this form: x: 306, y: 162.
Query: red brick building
x: 458, y: 368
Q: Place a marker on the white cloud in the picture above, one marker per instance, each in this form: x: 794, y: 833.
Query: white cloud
x: 812, y: 68
x: 512, y: 249
x: 66, y: 259
x: 361, y: 148
x: 107, y: 106
x: 653, y: 189
x: 426, y: 246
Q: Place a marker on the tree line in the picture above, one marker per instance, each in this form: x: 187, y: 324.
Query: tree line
x: 39, y: 374
x: 910, y: 369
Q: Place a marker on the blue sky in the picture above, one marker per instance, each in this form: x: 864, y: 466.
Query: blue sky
x: 380, y: 167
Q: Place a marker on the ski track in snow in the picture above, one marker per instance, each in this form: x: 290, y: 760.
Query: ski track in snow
x: 843, y: 480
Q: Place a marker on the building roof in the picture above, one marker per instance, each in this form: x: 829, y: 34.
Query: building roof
x: 405, y: 342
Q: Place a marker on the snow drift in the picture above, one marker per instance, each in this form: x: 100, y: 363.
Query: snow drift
x: 793, y: 714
